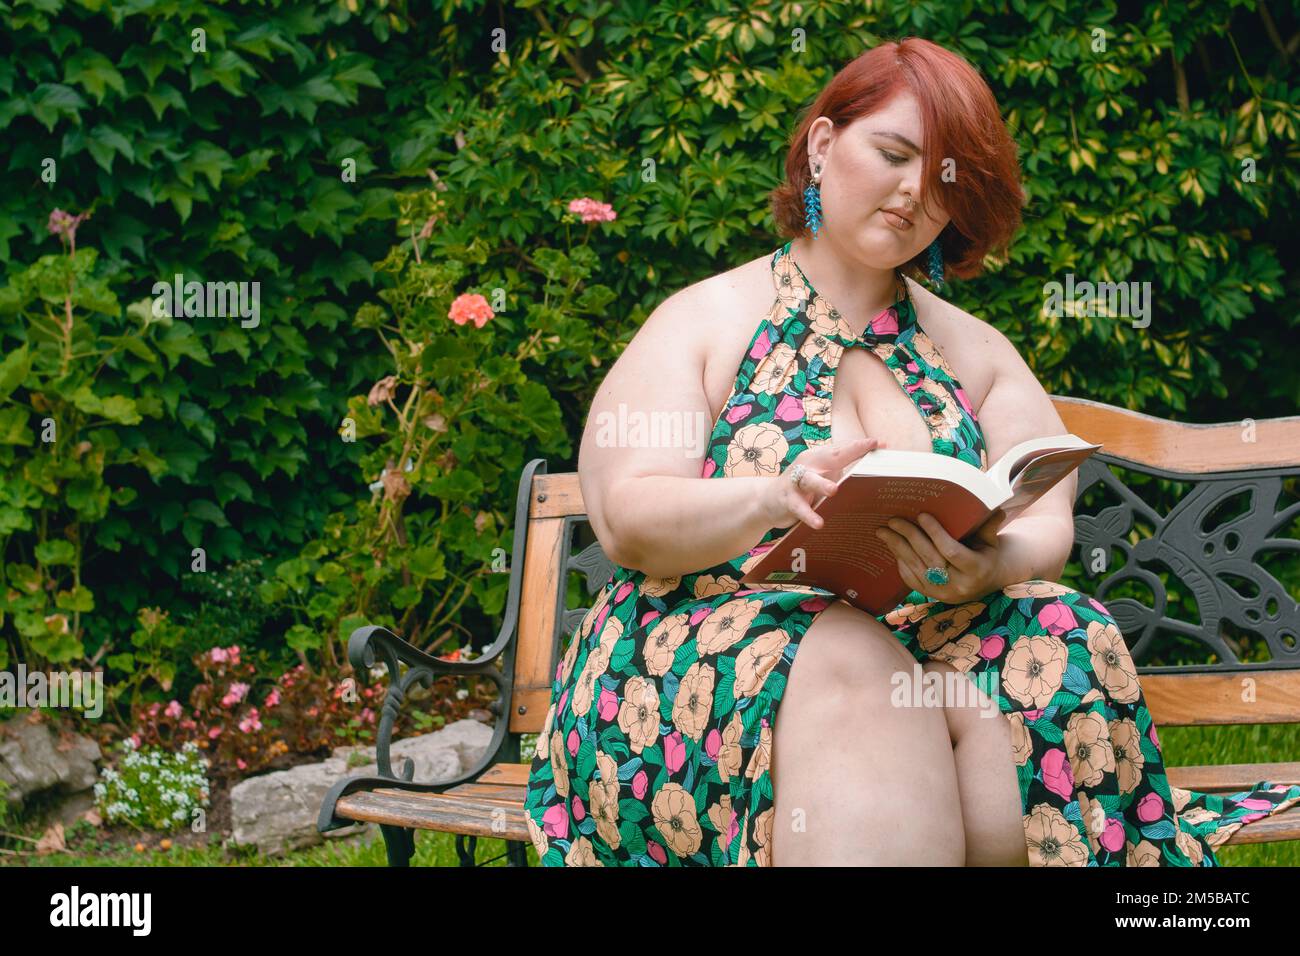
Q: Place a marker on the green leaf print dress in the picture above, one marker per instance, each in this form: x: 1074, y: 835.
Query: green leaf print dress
x: 657, y: 745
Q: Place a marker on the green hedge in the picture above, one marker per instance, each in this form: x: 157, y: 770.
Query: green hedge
x: 226, y: 164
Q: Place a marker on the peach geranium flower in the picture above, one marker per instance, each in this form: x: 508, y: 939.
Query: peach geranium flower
x: 592, y: 211
x: 470, y: 307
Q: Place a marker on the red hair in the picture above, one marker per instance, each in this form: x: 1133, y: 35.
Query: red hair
x: 962, y: 122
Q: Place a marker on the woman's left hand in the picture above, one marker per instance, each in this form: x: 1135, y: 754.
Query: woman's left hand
x: 972, y: 572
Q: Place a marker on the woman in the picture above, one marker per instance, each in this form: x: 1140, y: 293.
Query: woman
x: 662, y: 746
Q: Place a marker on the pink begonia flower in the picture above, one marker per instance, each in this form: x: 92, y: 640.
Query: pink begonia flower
x: 135, y: 739
x: 173, y: 709
x: 218, y: 655
x: 367, y: 715
x: 233, y: 653
x: 235, y: 694
x: 592, y: 211
x: 64, y: 225
x: 250, y: 723
x: 470, y: 307
x: 239, y: 762
x: 214, y: 733
x: 273, y: 698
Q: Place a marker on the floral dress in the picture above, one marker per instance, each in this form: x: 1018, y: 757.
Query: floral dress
x: 657, y: 745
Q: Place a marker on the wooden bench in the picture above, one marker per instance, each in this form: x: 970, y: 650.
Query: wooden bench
x: 1211, y: 561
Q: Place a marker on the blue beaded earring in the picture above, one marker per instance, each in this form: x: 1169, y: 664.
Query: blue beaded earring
x: 812, y: 203
x: 935, y: 252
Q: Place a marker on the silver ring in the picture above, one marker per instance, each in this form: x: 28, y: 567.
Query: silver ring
x: 796, y: 474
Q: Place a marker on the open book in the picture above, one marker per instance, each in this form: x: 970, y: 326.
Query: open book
x: 844, y: 556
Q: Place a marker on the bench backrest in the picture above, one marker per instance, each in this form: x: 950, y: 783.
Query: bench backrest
x: 1253, y: 635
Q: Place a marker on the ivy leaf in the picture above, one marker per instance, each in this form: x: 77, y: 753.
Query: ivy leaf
x: 94, y: 73
x: 52, y: 100
x: 13, y: 370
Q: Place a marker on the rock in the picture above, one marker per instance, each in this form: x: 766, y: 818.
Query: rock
x: 33, y: 759
x: 278, y: 811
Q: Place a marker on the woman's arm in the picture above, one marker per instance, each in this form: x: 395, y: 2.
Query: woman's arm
x: 649, y: 507
x: 1037, y: 542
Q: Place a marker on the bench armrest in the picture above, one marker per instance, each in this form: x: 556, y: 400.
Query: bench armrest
x: 373, y: 643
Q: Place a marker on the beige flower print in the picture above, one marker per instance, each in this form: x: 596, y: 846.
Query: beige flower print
x: 1088, y: 745
x: 1126, y: 741
x: 1035, y: 589
x: 581, y: 854
x: 658, y: 587
x: 535, y: 833
x: 1022, y: 746
x: 824, y: 323
x: 760, y: 761
x: 1178, y: 795
x: 729, y: 754
x: 762, y: 832
x: 756, y: 451
x: 817, y: 410
x: 1112, y: 663
x: 948, y: 418
x: 661, y: 644
x: 610, y: 635
x: 940, y: 628
x: 928, y: 352
x: 720, y: 817
x: 708, y: 585
x: 559, y: 764
x: 756, y: 661
x: 604, y: 799
x: 694, y: 701
x: 791, y: 290
x: 638, y: 715
x: 570, y: 657
x: 674, y: 815
x: 1093, y: 817
x: 1053, y: 840
x: 544, y: 736
x: 1034, y: 668
x: 908, y: 613
x: 726, y: 624
x: 963, y: 653
x: 584, y: 689
x: 775, y: 370
x: 1144, y: 854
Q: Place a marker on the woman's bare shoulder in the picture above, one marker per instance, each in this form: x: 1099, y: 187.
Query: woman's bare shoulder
x: 975, y: 349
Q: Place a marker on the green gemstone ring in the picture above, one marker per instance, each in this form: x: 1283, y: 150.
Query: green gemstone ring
x: 936, y: 575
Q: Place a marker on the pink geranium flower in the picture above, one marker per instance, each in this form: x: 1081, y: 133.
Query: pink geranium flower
x: 235, y: 694
x: 251, y: 723
x: 173, y: 709
x: 470, y: 307
x: 592, y: 211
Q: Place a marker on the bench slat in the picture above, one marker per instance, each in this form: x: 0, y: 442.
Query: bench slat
x: 1280, y: 826
x: 437, y: 811
x: 1184, y: 700
x: 1232, y: 777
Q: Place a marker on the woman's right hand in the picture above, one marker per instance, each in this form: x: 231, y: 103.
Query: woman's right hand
x: 784, y: 503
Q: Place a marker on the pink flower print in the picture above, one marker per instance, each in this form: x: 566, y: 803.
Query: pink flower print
x: 789, y: 409
x: 1032, y: 715
x: 1253, y: 816
x: 563, y: 697
x: 674, y: 751
x: 737, y: 412
x: 555, y: 821
x: 1150, y: 808
x: 1057, y: 618
x: 173, y: 709
x: 1058, y: 776
x: 700, y: 614
x: 991, y: 646
x: 607, y: 704
x: 656, y: 852
x: 713, y: 743
x: 1152, y: 735
x: 710, y: 466
x: 1099, y: 606
x: 470, y: 307
x: 886, y: 323
x: 762, y: 345
x: 733, y: 827
x: 639, y: 784
x: 814, y: 604
x: 623, y: 592
x: 579, y: 811
x: 573, y: 742
x: 913, y: 368
x: 1112, y: 838
x: 649, y: 616
x: 1254, y: 803
x: 592, y: 211
x: 965, y: 402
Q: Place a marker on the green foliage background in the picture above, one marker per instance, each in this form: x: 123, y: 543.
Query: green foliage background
x: 225, y: 165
